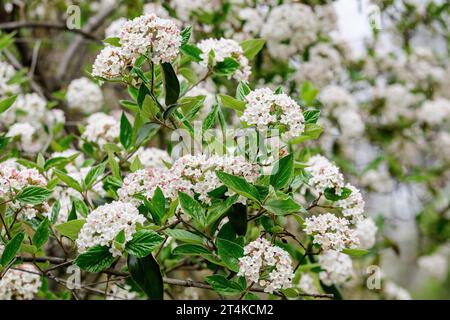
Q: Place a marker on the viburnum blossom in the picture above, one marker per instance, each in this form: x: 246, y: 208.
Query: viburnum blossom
x: 331, y: 232
x: 28, y: 137
x: 148, y: 34
x: 114, y: 28
x: 13, y: 180
x: 266, y: 109
x: 105, y: 223
x: 200, y: 171
x: 110, y: 63
x: 366, y: 231
x: 353, y: 205
x: 225, y: 48
x: 337, y: 267
x: 434, y: 112
x: 261, y: 257
x: 84, y: 95
x: 306, y: 284
x: 30, y: 108
x: 120, y: 292
x: 394, y: 292
x: 101, y: 129
x: 152, y: 157
x: 20, y: 285
x: 144, y: 182
x: 435, y: 264
x: 6, y: 73
x: 324, y: 174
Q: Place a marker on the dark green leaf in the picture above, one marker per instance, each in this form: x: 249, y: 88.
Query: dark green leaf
x: 126, y: 132
x: 226, y: 67
x: 185, y: 236
x: 185, y: 35
x: 93, y: 174
x: 11, y: 248
x: 230, y: 252
x: 238, y: 218
x: 143, y: 243
x: 190, y: 249
x: 224, y: 286
x: 42, y: 234
x: 192, y: 208
x: 147, y: 274
x: 330, y: 194
x: 95, y: 259
x: 282, y: 207
x: 33, y: 195
x: 171, y: 84
x: 282, y: 172
x: 239, y: 185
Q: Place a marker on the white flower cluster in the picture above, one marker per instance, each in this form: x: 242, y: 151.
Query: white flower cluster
x: 289, y: 29
x: 120, y: 292
x: 266, y: 109
x: 306, y: 284
x: 20, y: 285
x: 84, y: 95
x: 434, y: 112
x: 109, y: 63
x: 6, y: 73
x: 105, y: 223
x: 435, y: 264
x: 152, y: 157
x: 366, y: 232
x: 331, y: 232
x: 185, y: 9
x: 144, y: 182
x: 225, y: 48
x: 352, y: 206
x: 337, y: 267
x: 13, y: 180
x: 261, y: 256
x: 324, y: 174
x: 113, y: 30
x: 395, y: 292
x: 101, y: 129
x: 148, y: 34
x: 200, y: 171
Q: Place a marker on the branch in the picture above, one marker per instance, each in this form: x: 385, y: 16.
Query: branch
x: 14, y: 25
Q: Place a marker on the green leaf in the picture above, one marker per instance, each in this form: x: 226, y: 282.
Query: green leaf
x: 191, y: 249
x: 210, y: 119
x: 238, y: 218
x: 42, y: 234
x: 224, y: 286
x: 282, y: 172
x: 126, y: 132
x: 282, y: 207
x: 232, y: 103
x: 93, y: 174
x: 226, y: 67
x: 311, y: 116
x: 71, y: 228
x: 252, y: 47
x: 192, y: 208
x: 95, y: 259
x: 171, y: 84
x: 239, y: 185
x: 11, y: 248
x: 6, y: 103
x: 147, y: 275
x: 147, y: 131
x: 33, y: 195
x: 115, y: 169
x: 355, y: 252
x: 114, y: 41
x: 330, y: 194
x: 185, y: 35
x: 312, y: 131
x: 143, y: 243
x: 308, y: 93
x: 55, y: 211
x: 230, y: 252
x: 7, y: 40
x: 216, y: 211
x: 242, y: 91
x: 68, y: 180
x: 185, y: 236
x: 192, y: 51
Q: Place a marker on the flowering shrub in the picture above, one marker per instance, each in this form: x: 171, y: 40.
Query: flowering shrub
x: 237, y: 144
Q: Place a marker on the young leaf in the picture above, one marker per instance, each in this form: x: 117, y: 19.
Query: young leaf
x: 126, y: 132
x: 185, y: 35
x: 71, y: 228
x: 171, y: 84
x: 242, y: 90
x: 33, y: 195
x: 147, y: 275
x: 95, y: 259
x: 252, y: 47
x: 230, y: 252
x: 94, y: 174
x: 143, y: 243
x: 282, y: 172
x: 192, y: 51
x: 71, y: 182
x: 311, y: 116
x: 11, y: 248
x: 6, y: 103
x: 355, y: 252
x: 239, y: 185
x: 231, y: 103
x: 192, y: 208
x: 147, y: 131
x: 42, y: 234
x: 114, y: 41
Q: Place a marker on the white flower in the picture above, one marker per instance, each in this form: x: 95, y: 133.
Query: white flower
x: 29, y: 140
x: 394, y: 292
x: 185, y: 9
x: 337, y: 267
x: 101, y: 129
x: 324, y: 174
x: 266, y: 109
x: 148, y: 34
x: 84, y: 95
x: 434, y: 112
x: 260, y: 256
x: 366, y: 231
x: 289, y: 29
x: 436, y: 265
x: 200, y: 171
x: 29, y: 108
x: 225, y: 48
x: 20, y: 285
x: 120, y: 292
x: 6, y: 73
x: 331, y: 232
x: 306, y: 284
x: 152, y: 157
x: 110, y: 63
x: 105, y: 223
x: 353, y: 205
x: 157, y: 9
x: 113, y: 30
